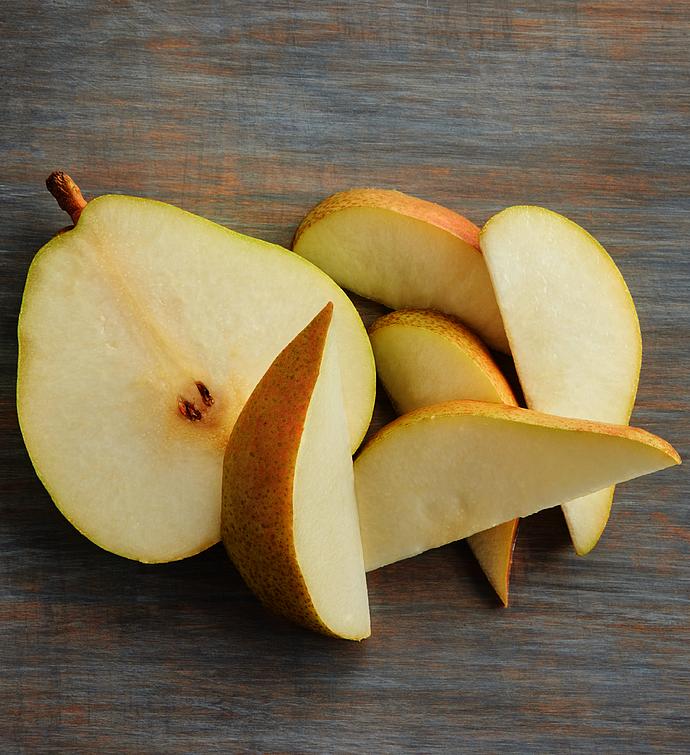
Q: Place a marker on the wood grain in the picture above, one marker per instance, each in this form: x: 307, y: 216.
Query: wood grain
x: 250, y: 113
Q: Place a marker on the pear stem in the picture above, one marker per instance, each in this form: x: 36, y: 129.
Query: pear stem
x: 67, y: 194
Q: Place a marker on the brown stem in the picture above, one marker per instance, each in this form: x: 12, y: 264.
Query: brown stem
x: 67, y: 194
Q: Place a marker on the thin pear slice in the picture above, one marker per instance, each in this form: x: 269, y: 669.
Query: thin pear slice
x: 493, y: 549
x: 572, y: 327
x: 403, y: 252
x: 141, y: 335
x: 289, y: 516
x: 425, y: 358
x: 442, y: 473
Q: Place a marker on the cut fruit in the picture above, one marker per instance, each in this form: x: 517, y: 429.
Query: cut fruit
x: 403, y: 252
x: 572, y: 327
x: 289, y: 516
x: 442, y: 473
x: 493, y: 549
x: 142, y: 333
x: 425, y: 358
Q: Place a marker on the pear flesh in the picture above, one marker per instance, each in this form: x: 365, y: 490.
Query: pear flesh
x: 442, y: 473
x: 289, y: 516
x: 425, y: 358
x: 403, y: 252
x: 572, y: 327
x: 142, y: 333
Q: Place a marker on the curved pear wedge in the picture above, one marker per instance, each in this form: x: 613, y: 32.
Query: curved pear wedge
x: 572, y: 327
x: 289, y: 516
x: 142, y: 333
x: 403, y: 252
x: 425, y: 358
x: 442, y: 473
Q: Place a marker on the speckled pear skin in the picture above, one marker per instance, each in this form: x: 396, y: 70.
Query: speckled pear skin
x: 258, y: 476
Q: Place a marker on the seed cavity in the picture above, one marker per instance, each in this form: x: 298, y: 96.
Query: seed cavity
x: 189, y: 410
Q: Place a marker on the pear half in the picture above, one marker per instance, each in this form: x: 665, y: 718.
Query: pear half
x: 289, y: 516
x: 572, y: 327
x: 444, y: 472
x: 142, y: 333
x: 403, y: 252
x: 425, y: 358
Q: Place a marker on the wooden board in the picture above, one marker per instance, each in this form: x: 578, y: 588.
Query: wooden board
x: 249, y: 113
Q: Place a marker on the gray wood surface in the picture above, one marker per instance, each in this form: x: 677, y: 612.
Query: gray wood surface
x: 249, y: 113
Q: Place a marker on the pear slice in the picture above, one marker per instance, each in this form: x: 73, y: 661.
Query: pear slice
x: 444, y: 472
x: 289, y: 516
x: 425, y: 358
x: 403, y: 252
x: 142, y: 333
x: 572, y: 327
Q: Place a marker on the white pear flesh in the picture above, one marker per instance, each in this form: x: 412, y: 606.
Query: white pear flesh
x: 121, y: 317
x: 572, y: 327
x: 442, y: 473
x: 289, y: 515
x: 403, y: 252
x: 327, y: 538
x: 425, y: 358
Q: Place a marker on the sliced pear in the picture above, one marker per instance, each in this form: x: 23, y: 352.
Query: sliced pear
x: 289, y: 516
x: 572, y: 327
x: 442, y: 473
x: 425, y: 358
x: 403, y: 252
x: 493, y: 549
x: 142, y: 333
